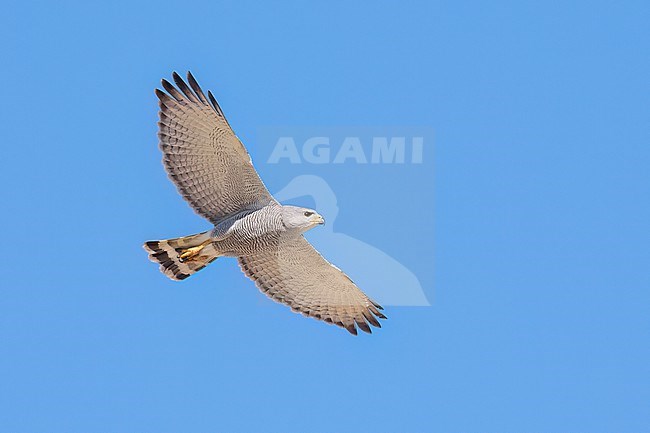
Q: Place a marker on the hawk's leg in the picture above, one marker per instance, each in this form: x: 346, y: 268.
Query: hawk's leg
x: 189, y: 253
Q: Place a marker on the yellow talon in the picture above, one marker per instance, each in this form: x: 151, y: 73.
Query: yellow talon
x: 192, y: 252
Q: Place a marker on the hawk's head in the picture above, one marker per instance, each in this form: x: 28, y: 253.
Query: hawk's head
x: 300, y: 218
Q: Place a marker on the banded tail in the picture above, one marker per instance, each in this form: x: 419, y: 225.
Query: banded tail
x: 181, y: 257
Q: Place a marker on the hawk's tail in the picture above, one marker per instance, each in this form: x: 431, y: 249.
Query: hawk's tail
x: 181, y: 257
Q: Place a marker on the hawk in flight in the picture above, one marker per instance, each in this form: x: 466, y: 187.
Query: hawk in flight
x: 214, y: 173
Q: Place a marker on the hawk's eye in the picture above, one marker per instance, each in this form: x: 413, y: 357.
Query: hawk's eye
x: 308, y: 214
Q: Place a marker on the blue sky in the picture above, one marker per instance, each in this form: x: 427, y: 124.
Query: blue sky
x: 526, y: 224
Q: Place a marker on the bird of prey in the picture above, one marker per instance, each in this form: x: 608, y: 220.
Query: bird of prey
x: 214, y: 173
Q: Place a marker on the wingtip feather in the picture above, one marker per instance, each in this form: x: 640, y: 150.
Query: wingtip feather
x: 195, y: 86
x: 182, y: 85
x: 351, y: 329
x: 363, y: 326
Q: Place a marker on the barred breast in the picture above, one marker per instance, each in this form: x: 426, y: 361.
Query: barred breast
x: 250, y: 233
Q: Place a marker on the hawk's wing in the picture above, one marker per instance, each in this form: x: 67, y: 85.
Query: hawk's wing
x: 202, y: 154
x: 295, y: 274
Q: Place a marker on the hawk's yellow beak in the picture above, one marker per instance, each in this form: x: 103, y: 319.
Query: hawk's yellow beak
x: 317, y: 219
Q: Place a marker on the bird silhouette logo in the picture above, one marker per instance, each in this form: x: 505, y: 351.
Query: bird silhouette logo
x: 382, y: 277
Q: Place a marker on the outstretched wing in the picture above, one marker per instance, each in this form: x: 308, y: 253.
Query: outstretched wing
x: 295, y: 274
x: 202, y: 155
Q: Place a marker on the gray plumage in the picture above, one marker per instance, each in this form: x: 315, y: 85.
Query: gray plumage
x: 214, y: 173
